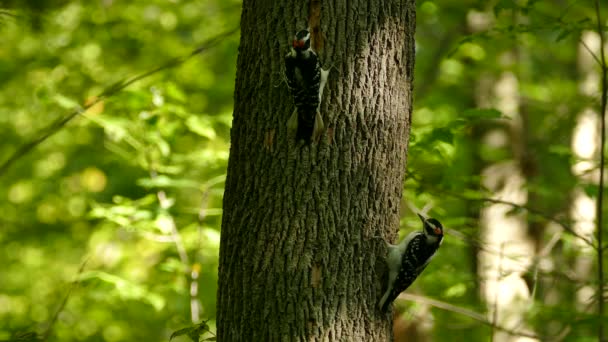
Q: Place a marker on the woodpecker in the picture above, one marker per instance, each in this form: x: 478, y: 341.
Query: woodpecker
x: 306, y: 80
x: 410, y: 257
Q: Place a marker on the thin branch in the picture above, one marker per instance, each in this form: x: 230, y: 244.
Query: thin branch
x: 600, y: 262
x: 537, y: 212
x: 497, y: 290
x: 194, y: 274
x: 157, y: 237
x: 478, y: 317
x: 534, y: 211
x: 110, y: 91
x: 194, y: 302
x: 47, y: 332
x: 165, y: 204
x: 43, y: 134
x: 563, y: 273
x: 597, y: 60
x: 192, y: 269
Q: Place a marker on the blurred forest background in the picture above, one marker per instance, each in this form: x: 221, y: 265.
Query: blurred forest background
x: 110, y: 226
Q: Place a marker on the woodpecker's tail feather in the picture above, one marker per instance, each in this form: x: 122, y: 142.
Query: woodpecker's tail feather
x: 318, y: 128
x: 387, y: 299
x: 306, y: 127
x: 382, y: 301
x: 292, y: 123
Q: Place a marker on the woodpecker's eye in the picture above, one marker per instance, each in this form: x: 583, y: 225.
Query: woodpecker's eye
x: 435, y: 226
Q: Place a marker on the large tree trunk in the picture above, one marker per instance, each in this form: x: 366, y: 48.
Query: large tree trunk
x: 297, y: 258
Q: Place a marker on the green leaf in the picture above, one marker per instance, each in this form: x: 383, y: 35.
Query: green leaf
x: 174, y: 92
x: 560, y: 150
x: 29, y: 336
x: 65, y: 102
x: 442, y: 134
x: 591, y: 190
x: 126, y: 289
x: 481, y: 113
x: 563, y: 34
x: 503, y: 5
x: 456, y: 290
x: 194, y: 332
x: 515, y: 211
x: 194, y: 335
x: 201, y: 126
x: 181, y: 332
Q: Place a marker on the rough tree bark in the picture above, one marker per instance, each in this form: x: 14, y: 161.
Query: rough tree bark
x: 297, y: 258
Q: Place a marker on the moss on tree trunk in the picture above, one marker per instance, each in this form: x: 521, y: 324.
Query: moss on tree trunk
x: 297, y: 261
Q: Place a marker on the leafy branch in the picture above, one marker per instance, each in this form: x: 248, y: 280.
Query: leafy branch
x: 47, y: 333
x: 194, y: 332
x: 536, y: 212
x: 565, y: 226
x: 55, y: 126
x: 480, y: 317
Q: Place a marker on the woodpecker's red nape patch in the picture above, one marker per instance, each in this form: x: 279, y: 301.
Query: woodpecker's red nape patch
x: 438, y: 231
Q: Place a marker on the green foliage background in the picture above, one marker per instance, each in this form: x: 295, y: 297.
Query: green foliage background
x: 125, y: 200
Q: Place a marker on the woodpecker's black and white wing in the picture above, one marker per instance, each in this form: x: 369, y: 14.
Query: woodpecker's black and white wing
x: 290, y: 71
x: 305, y: 78
x: 412, y: 264
x: 409, y: 258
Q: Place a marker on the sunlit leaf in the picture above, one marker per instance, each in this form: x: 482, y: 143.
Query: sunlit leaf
x: 456, y: 290
x: 65, y: 102
x: 201, y: 126
x: 176, y: 93
x: 126, y: 289
x: 163, y: 181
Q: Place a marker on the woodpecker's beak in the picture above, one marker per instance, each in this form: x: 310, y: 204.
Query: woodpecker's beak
x: 422, y: 218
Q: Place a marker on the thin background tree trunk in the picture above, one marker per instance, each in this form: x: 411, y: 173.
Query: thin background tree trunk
x: 297, y: 258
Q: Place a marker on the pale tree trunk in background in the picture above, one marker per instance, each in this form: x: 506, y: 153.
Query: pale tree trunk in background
x: 585, y: 147
x: 297, y: 258
x: 509, y: 250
